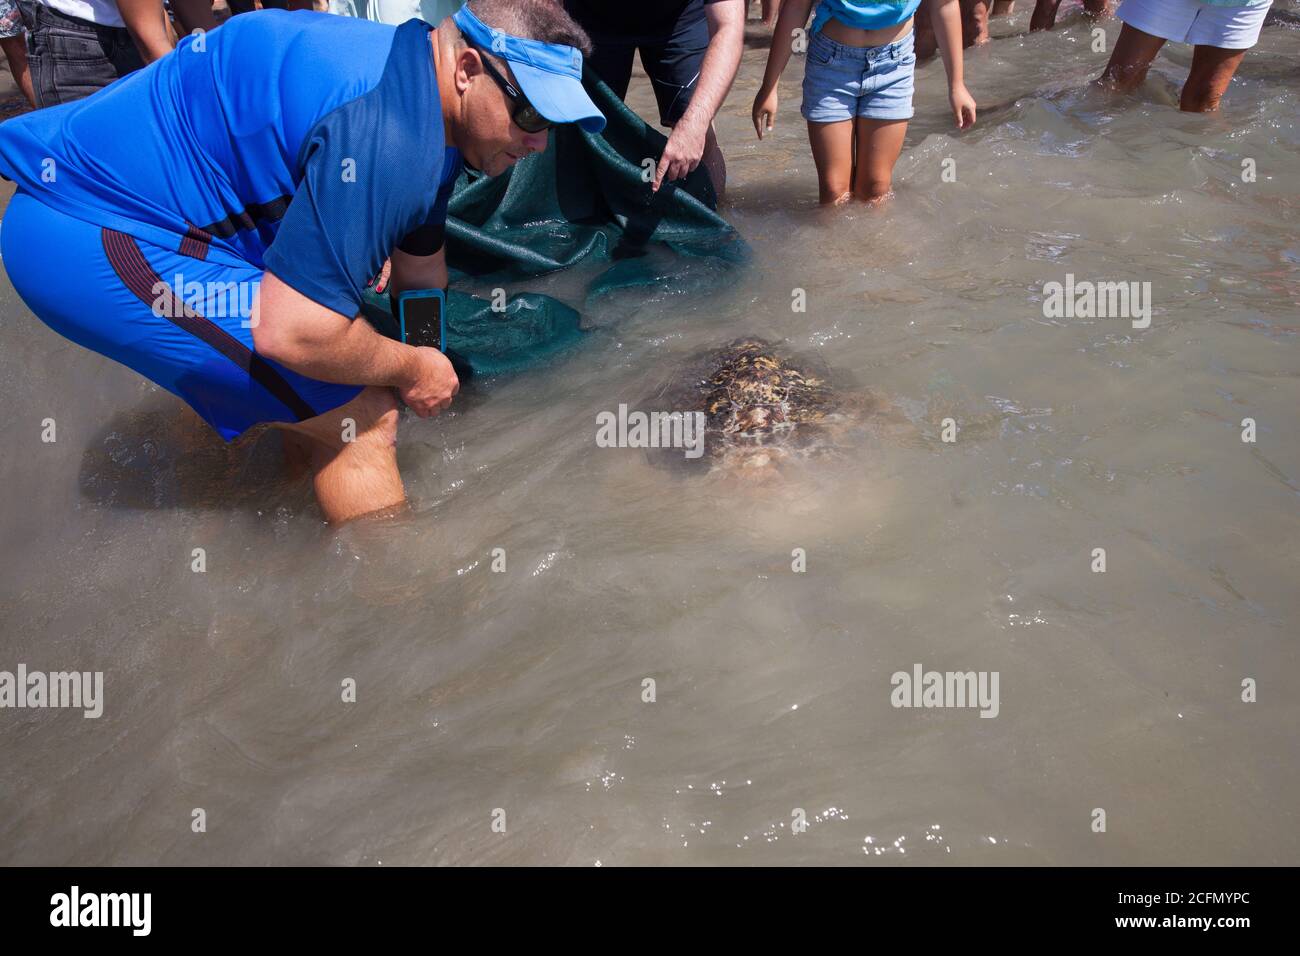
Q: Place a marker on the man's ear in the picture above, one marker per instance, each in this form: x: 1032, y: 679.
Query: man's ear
x: 468, y: 66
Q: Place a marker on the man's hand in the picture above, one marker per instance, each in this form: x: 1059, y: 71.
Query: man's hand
x: 683, y: 151
x: 432, y: 383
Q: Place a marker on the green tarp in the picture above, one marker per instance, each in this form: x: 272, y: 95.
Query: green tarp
x: 586, y: 199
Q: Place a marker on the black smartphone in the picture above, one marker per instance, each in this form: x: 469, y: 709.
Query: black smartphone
x: 421, y: 317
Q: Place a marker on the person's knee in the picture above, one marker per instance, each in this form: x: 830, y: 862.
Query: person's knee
x: 370, y: 418
x: 874, y: 189
x: 1199, y: 100
x: 1123, y: 77
x: 377, y: 418
x: 834, y: 193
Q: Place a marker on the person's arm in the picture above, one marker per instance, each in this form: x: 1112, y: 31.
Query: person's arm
x: 946, y: 17
x: 793, y: 16
x: 15, y: 49
x: 717, y: 73
x: 320, y: 343
x: 408, y: 272
x: 147, y: 24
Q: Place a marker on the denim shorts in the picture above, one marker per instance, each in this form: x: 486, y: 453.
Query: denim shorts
x: 71, y: 58
x: 841, y: 82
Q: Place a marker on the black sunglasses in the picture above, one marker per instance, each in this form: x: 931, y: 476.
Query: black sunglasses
x: 523, y: 113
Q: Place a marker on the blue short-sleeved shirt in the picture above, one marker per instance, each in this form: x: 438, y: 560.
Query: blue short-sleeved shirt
x: 306, y: 144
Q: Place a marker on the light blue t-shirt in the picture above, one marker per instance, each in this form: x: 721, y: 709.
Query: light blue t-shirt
x: 865, y: 14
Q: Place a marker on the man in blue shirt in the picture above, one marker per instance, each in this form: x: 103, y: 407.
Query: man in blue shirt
x: 213, y: 220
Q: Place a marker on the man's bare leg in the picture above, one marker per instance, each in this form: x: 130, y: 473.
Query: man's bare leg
x: 1130, y: 60
x: 353, y: 455
x: 713, y: 161
x: 1212, y: 71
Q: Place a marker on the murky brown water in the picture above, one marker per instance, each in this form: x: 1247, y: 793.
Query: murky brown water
x: 522, y: 690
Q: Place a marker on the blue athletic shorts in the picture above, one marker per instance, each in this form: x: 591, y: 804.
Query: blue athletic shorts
x: 181, y: 321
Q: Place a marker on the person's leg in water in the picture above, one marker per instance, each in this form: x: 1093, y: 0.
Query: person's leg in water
x: 832, y: 149
x: 1130, y: 60
x: 352, y: 454
x: 713, y: 161
x: 879, y: 144
x: 1044, y: 15
x: 975, y: 22
x: 1212, y: 71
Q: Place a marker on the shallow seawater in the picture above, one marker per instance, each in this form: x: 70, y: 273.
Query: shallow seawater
x: 522, y: 691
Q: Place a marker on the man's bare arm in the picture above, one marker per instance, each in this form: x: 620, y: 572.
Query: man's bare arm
x: 721, y: 60
x: 323, y: 344
x: 686, y: 142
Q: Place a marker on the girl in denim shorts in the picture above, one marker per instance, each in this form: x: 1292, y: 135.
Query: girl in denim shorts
x: 857, y: 87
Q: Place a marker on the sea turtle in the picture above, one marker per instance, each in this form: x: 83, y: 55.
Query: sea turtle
x: 767, y: 408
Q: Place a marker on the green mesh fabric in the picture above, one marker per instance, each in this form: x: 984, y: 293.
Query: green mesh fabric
x: 586, y: 199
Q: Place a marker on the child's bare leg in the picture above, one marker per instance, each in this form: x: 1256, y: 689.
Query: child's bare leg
x: 1003, y: 8
x: 1044, y: 15
x: 1130, y: 60
x: 879, y: 144
x: 975, y: 22
x: 1212, y: 70
x: 353, y: 455
x: 832, y: 149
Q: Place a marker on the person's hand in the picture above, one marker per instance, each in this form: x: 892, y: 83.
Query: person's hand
x: 432, y: 385
x: 764, y: 111
x: 380, y: 282
x: 963, y: 105
x: 683, y: 152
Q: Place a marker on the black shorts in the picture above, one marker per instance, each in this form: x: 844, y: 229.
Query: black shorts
x: 671, y: 59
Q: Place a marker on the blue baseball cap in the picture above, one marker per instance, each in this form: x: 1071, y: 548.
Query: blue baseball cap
x: 550, y: 74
